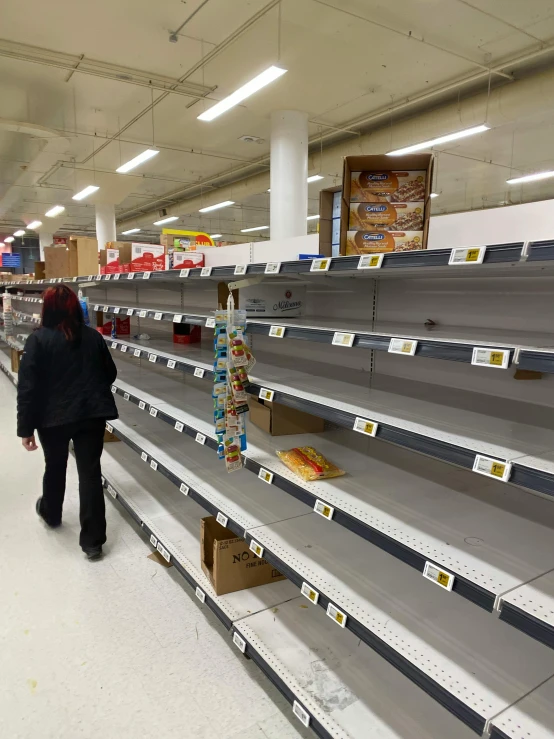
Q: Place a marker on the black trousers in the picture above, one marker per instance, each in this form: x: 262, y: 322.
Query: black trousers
x: 88, y: 442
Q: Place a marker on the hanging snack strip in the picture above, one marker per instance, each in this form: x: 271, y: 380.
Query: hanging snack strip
x: 232, y: 360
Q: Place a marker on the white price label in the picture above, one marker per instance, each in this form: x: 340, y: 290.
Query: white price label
x: 323, y: 509
x: 152, y: 357
x: 198, y: 372
x: 96, y: 308
x: 142, y: 405
x: 124, y: 348
x: 184, y: 273
x: 177, y: 318
x: 495, y: 468
x: 486, y: 357
x: 438, y: 576
x: 301, y: 714
x: 114, y: 389
x: 239, y: 642
x: 309, y: 593
x: 103, y: 480
x: 126, y: 396
x: 137, y: 352
x: 337, y: 615
x: 221, y: 519
x: 256, y: 548
x: 272, y: 268
x: 106, y: 308
x: 153, y: 412
x: 112, y: 492
x: 201, y: 595
x: 130, y: 311
x: 205, y: 271
x: 153, y: 464
x: 200, y: 438
x: 143, y: 313
x: 146, y: 275
x: 116, y: 309
x: 117, y: 276
x: 277, y: 331
x: 210, y: 322
x: 403, y: 346
x: 184, y: 489
x: 343, y: 339
x: 179, y: 426
x: 131, y: 276
x: 240, y: 269
x: 363, y: 426
x: 158, y: 316
x: 153, y: 540
x: 371, y: 261
x: 266, y: 394
x: 109, y: 428
x: 471, y: 255
x: 320, y: 265
x: 75, y: 279
x: 107, y: 277
x: 144, y: 456
x: 171, y: 363
x: 165, y: 554
x: 265, y: 475
x: 114, y: 344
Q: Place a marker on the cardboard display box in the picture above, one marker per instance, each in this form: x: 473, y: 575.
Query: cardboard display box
x: 56, y: 262
x: 142, y: 257
x: 79, y: 257
x: 109, y: 260
x: 280, y: 420
x: 39, y: 271
x: 383, y: 179
x: 327, y: 212
x: 16, y: 359
x: 228, y: 563
x: 187, y: 259
x: 287, y: 301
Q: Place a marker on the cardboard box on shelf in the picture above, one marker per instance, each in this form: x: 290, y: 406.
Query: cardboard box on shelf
x: 386, y: 216
x: 39, y: 271
x: 385, y: 185
x: 187, y: 259
x: 374, y: 242
x: 280, y: 420
x: 109, y: 260
x: 109, y: 437
x: 104, y: 326
x: 227, y: 561
x: 186, y: 333
x: 56, y: 262
x: 329, y: 209
x: 16, y: 359
x: 83, y: 256
x: 142, y: 257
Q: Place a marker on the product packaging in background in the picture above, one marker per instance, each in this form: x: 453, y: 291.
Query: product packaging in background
x: 228, y: 562
x: 109, y: 261
x: 186, y: 333
x: 142, y: 257
x: 309, y: 464
x: 372, y: 242
x: 187, y: 259
x: 386, y: 216
x: 387, y: 186
x: 273, y: 300
x: 105, y: 326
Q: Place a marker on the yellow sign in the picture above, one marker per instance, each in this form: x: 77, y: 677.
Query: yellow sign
x: 199, y: 236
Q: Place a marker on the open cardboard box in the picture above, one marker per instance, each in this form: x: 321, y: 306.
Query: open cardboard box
x: 228, y: 563
x: 280, y: 420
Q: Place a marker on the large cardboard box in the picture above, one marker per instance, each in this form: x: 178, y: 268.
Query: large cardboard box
x: 56, y: 262
x: 228, y: 562
x: 109, y: 260
x: 142, y: 257
x: 385, y: 186
x: 327, y: 209
x: 83, y: 256
x: 39, y: 271
x: 264, y: 300
x: 280, y: 420
x: 16, y: 359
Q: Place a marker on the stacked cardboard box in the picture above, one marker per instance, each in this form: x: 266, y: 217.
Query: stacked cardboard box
x: 79, y: 257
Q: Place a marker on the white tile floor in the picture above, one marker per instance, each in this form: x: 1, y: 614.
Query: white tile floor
x: 115, y: 649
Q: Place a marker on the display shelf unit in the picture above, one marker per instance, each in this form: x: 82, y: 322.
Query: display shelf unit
x: 532, y: 717
x: 389, y: 608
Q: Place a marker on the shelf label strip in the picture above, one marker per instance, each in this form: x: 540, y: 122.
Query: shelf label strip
x: 337, y: 615
x: 464, y: 255
x: 403, y: 346
x: 301, y: 714
x: 320, y: 265
x: 278, y: 332
x: 265, y: 475
x: 309, y: 593
x: 438, y: 576
x: 363, y: 426
x: 266, y: 394
x: 488, y: 357
x: 340, y: 339
x: 272, y: 268
x: 200, y: 594
x: 256, y: 548
x: 324, y: 510
x: 371, y: 261
x: 239, y: 642
x: 498, y: 469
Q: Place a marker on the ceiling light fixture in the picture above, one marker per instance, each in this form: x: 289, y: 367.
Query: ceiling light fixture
x: 34, y: 225
x: 223, y: 204
x: 9, y: 239
x: 531, y: 178
x: 440, y: 140
x: 86, y: 192
x: 130, y: 231
x: 315, y: 178
x: 312, y: 218
x: 263, y: 79
x: 215, y: 236
x: 434, y: 195
x: 166, y: 220
x: 55, y: 211
x: 21, y: 232
x: 255, y: 228
x: 132, y: 163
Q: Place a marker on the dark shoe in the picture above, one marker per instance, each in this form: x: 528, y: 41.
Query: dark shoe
x: 93, y: 553
x: 39, y: 514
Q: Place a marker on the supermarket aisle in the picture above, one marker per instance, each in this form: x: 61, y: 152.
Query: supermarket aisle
x: 114, y: 649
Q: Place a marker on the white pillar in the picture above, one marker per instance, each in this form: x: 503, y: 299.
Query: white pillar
x: 288, y: 174
x: 44, y: 239
x: 105, y: 224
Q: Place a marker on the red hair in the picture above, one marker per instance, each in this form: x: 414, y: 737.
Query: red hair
x: 61, y: 310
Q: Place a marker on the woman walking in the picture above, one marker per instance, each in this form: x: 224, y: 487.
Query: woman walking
x: 64, y: 394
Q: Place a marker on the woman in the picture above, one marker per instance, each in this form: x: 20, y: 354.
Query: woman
x: 64, y: 394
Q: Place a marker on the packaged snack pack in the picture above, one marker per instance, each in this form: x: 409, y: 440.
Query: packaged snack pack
x: 391, y: 186
x: 386, y: 216
x: 372, y: 242
x: 309, y: 464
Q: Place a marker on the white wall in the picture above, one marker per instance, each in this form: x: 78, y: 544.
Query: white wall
x: 526, y: 222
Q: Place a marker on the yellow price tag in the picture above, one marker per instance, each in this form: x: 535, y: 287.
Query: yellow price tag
x: 472, y: 255
x: 498, y: 469
x: 497, y: 358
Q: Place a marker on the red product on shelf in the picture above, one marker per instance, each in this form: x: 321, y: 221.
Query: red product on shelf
x: 187, y: 259
x: 122, y: 327
x: 186, y: 333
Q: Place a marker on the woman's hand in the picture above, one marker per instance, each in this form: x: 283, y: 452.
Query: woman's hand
x: 30, y: 443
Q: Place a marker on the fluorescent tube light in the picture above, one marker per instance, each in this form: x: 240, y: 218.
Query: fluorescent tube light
x: 130, y: 231
x: 9, y: 239
x: 315, y: 178
x: 312, y: 218
x: 144, y: 157
x: 55, y: 211
x: 255, y: 228
x: 263, y: 79
x: 440, y: 140
x: 166, y: 220
x: 21, y: 232
x: 86, y: 192
x: 34, y: 225
x: 224, y: 204
x: 215, y: 236
x: 434, y: 195
x: 531, y: 178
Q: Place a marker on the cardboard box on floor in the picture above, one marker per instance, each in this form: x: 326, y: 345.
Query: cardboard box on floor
x: 228, y: 563
x: 280, y: 420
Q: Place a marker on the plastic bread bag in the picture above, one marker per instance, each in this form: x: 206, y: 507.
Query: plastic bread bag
x: 309, y: 464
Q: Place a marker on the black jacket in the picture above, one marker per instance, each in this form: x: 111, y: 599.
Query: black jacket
x: 62, y: 382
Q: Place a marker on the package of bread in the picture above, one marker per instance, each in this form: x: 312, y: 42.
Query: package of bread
x: 388, y: 186
x: 386, y: 216
x: 372, y: 242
